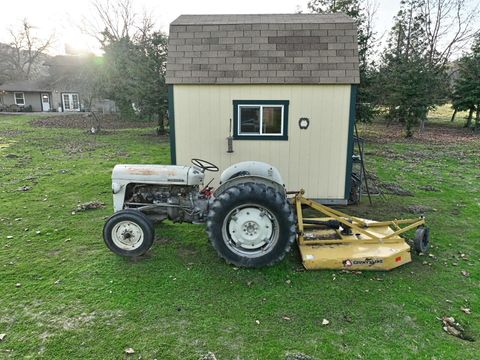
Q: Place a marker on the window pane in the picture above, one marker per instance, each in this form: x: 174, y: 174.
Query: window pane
x: 250, y: 119
x: 272, y: 120
x: 75, y: 101
x: 19, y: 100
x: 66, y: 102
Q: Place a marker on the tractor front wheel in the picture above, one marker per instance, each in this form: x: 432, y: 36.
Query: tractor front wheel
x: 128, y: 233
x: 251, y: 225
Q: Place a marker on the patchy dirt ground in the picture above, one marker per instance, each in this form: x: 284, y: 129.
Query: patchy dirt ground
x: 86, y: 121
x: 434, y: 133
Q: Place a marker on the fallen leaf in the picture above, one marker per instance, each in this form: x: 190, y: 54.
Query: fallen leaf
x: 286, y: 318
x: 209, y: 356
x: 9, y: 237
x: 18, y: 285
x: 57, y: 282
x: 288, y: 281
x: 452, y: 327
x: 465, y: 273
x: 257, y: 322
x: 89, y: 206
x: 325, y: 322
x: 2, y: 336
x: 129, y: 351
x: 466, y: 310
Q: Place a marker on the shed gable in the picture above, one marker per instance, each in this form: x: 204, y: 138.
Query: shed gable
x: 275, y: 49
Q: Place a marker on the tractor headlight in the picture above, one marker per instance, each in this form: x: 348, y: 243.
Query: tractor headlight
x: 116, y: 187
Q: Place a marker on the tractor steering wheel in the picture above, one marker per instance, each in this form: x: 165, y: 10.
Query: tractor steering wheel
x: 205, y: 165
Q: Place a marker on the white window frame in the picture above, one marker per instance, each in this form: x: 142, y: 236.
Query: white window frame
x: 70, y: 101
x: 15, y: 98
x: 261, y: 133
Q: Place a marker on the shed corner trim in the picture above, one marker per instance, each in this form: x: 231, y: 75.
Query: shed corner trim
x: 171, y: 125
x: 351, y: 124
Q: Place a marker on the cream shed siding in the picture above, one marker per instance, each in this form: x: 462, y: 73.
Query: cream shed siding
x: 313, y: 159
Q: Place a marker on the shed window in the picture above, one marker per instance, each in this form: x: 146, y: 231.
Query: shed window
x: 266, y: 120
x: 19, y: 98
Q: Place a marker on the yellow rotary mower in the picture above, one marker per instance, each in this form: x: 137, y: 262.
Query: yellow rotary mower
x: 341, y: 241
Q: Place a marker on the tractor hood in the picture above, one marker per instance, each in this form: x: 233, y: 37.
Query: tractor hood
x: 158, y: 174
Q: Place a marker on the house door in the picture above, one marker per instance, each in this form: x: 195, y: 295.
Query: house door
x: 71, y: 102
x: 45, y: 102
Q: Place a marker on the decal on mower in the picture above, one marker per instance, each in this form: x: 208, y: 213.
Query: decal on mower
x: 366, y: 261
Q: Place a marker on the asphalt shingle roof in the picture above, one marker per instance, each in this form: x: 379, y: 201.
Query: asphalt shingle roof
x: 243, y: 49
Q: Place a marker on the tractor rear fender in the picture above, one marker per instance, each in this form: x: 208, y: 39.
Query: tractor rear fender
x: 251, y: 171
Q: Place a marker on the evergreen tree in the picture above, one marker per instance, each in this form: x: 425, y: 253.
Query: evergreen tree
x: 362, y: 17
x: 466, y: 92
x: 411, y: 80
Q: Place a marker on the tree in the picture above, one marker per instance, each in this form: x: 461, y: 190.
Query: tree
x: 466, y: 92
x: 362, y: 13
x: 413, y: 71
x: 151, y: 92
x: 23, y: 58
x: 134, y: 61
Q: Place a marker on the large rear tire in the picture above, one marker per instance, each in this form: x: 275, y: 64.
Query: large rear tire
x: 251, y: 225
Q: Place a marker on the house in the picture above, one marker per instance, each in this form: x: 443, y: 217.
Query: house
x: 68, y: 87
x: 283, y: 86
x: 36, y: 95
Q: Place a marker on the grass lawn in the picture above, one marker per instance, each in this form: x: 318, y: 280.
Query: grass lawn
x: 63, y: 295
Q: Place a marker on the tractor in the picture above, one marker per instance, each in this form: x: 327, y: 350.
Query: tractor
x: 251, y: 220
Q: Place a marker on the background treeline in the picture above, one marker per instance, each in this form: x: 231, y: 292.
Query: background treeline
x: 430, y: 57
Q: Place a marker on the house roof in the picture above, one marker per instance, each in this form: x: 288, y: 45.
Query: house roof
x: 278, y: 49
x: 25, y: 86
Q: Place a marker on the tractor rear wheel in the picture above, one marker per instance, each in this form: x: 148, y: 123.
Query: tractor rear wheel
x: 128, y: 233
x: 251, y: 225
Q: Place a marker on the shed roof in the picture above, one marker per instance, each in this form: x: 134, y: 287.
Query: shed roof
x: 270, y: 49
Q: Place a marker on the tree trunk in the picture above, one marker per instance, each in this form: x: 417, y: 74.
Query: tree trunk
x: 422, y: 125
x: 477, y: 118
x: 469, y: 119
x: 453, y: 115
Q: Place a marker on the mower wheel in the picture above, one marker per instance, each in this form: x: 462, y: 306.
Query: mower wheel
x: 128, y: 233
x: 422, y: 239
x: 251, y: 225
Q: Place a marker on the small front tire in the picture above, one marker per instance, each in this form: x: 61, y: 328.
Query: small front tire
x: 128, y: 233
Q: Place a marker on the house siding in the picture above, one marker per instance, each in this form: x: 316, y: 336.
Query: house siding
x: 31, y: 98
x: 314, y: 159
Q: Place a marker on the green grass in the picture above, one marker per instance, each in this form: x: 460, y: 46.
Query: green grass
x: 78, y: 300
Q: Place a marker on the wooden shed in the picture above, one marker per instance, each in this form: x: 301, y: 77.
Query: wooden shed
x: 283, y: 86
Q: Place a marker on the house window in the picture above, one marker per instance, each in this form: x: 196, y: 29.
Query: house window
x: 71, y: 102
x: 19, y: 98
x: 260, y: 119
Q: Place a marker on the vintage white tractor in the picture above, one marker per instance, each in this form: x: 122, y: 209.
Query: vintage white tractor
x: 251, y: 220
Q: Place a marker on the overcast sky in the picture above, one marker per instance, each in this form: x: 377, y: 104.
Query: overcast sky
x: 64, y: 18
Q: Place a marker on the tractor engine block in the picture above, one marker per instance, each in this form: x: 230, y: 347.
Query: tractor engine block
x: 176, y: 202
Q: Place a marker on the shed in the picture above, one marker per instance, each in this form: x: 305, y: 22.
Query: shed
x: 283, y: 86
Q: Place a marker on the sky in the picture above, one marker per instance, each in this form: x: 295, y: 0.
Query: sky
x: 64, y: 18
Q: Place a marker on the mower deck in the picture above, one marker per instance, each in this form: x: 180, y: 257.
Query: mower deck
x: 340, y: 241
